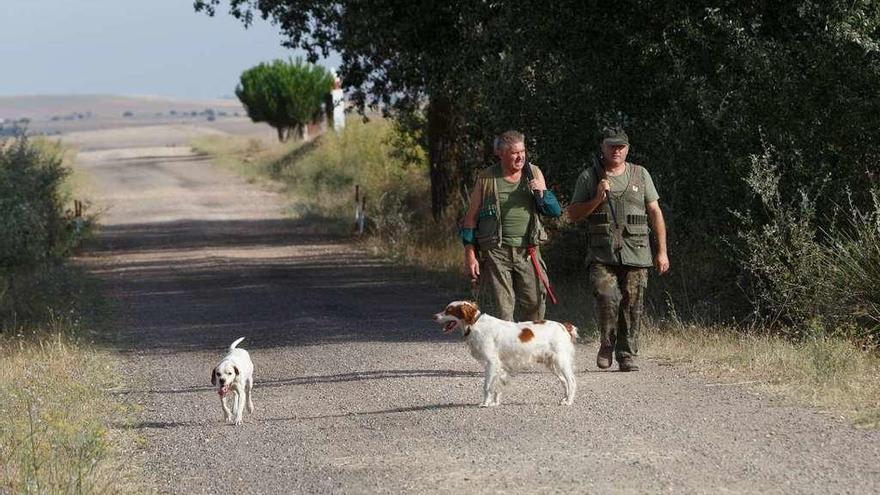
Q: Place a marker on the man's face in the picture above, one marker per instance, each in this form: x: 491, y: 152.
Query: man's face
x: 615, y: 154
x: 513, y: 156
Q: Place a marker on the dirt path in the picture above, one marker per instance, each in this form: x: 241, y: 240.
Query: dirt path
x: 356, y: 390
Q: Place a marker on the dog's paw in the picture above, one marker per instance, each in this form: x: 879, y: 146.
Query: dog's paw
x: 238, y: 422
x: 566, y: 402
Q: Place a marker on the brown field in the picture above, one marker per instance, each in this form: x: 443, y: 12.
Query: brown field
x: 63, y: 114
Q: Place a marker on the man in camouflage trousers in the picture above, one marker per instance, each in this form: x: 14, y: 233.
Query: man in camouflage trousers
x: 620, y: 202
x: 502, y: 230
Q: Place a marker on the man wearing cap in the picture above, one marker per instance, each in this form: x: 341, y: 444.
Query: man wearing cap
x: 503, y: 228
x: 620, y: 203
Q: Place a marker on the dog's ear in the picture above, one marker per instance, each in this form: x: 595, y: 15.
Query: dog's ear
x: 469, y: 313
x: 236, y: 370
x: 214, y: 377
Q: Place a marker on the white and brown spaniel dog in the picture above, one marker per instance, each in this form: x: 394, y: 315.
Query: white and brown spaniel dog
x: 235, y: 373
x: 504, y: 347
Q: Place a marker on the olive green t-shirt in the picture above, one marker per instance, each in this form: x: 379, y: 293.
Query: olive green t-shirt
x: 585, y: 188
x: 515, y: 200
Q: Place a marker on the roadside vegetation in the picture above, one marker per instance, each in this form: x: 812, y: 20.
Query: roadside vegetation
x: 56, y: 435
x: 819, y: 348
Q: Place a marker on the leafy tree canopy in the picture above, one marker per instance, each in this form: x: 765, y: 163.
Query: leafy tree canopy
x: 701, y: 87
x: 285, y: 95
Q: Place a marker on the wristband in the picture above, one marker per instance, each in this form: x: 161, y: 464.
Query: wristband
x: 551, y: 205
x: 467, y: 236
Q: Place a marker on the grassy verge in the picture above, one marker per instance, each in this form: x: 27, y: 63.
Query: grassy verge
x: 57, y: 435
x: 57, y: 432
x: 831, y: 374
x: 828, y: 373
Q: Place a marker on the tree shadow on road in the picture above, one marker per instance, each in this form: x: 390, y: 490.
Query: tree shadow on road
x: 199, y: 285
x: 396, y: 410
x: 315, y: 379
x: 143, y: 425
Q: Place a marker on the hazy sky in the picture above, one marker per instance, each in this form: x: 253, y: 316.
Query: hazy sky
x: 131, y: 47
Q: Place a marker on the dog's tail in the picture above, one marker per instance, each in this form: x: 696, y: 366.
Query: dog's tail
x: 572, y: 331
x: 231, y: 347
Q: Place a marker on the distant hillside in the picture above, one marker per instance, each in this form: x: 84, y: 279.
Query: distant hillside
x: 47, y: 107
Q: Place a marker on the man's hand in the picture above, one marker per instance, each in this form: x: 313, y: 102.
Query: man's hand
x: 538, y: 184
x: 661, y: 263
x: 471, y: 265
x: 658, y: 225
x: 602, y: 189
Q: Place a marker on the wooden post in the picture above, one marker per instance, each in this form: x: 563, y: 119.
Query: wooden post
x: 360, y: 223
x: 77, y: 216
x: 357, y: 206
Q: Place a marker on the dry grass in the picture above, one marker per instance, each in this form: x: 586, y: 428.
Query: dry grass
x: 831, y: 374
x: 56, y: 433
x: 248, y: 156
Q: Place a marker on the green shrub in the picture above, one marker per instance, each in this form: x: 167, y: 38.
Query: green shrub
x: 31, y: 218
x: 853, y: 260
x: 34, y: 231
x: 805, y: 281
x: 779, y: 254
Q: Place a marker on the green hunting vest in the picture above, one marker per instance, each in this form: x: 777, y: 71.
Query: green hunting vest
x: 626, y: 241
x: 488, y: 231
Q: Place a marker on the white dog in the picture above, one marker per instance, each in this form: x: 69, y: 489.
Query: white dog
x: 504, y: 346
x: 234, y: 373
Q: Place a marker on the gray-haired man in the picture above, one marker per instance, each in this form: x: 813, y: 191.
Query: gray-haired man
x: 502, y: 219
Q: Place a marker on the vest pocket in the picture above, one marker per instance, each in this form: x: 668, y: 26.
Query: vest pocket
x: 598, y: 228
x: 487, y: 225
x: 599, y: 234
x: 636, y: 235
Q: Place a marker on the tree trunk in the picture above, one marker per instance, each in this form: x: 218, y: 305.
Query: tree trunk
x: 444, y: 153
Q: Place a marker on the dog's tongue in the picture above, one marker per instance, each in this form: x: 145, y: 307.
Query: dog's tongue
x: 449, y: 327
x: 223, y: 391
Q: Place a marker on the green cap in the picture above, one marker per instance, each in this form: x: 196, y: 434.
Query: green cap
x: 614, y: 136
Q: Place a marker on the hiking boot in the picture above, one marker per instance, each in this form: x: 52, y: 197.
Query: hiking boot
x: 603, y: 359
x: 627, y: 364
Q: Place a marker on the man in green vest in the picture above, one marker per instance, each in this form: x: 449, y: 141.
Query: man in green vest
x: 502, y: 228
x: 620, y: 203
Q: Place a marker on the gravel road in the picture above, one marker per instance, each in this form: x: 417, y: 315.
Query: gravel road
x: 358, y: 392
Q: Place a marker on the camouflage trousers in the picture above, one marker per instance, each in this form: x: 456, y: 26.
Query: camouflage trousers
x: 618, y: 292
x: 508, y: 280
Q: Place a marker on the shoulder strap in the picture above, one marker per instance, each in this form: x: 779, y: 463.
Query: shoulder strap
x: 488, y: 172
x: 487, y: 181
x: 638, y: 177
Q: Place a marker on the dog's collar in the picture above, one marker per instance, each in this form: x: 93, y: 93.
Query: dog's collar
x: 467, y: 330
